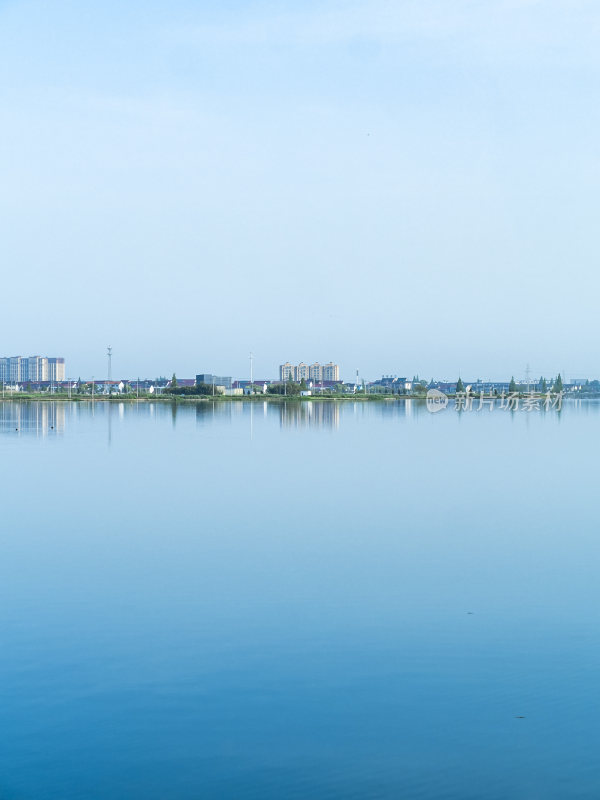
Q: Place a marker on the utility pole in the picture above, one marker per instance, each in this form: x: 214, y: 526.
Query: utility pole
x: 251, y: 370
x: 109, y: 355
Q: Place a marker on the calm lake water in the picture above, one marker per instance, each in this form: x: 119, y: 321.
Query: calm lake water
x: 303, y: 601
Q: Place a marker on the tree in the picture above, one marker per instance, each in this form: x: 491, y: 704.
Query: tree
x: 543, y: 385
x: 558, y: 384
x: 289, y: 388
x: 173, y: 381
x: 303, y: 385
x: 193, y: 391
x: 512, y: 386
x: 460, y: 387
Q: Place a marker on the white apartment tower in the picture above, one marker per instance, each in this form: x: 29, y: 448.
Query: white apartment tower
x: 301, y: 372
x: 32, y: 369
x: 286, y: 371
x: 331, y: 372
x: 56, y: 369
x: 315, y: 372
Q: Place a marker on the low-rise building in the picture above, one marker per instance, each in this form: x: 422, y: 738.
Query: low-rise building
x: 254, y: 387
x: 215, y: 380
x: 392, y: 384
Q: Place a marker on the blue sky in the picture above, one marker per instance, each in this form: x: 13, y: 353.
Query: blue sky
x: 396, y: 186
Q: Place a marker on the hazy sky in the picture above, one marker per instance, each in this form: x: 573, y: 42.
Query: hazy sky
x: 395, y: 186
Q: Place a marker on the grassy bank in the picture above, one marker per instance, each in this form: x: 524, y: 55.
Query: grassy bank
x: 256, y: 398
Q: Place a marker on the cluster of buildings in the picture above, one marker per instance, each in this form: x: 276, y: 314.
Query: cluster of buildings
x: 45, y: 373
x: 317, y: 377
x: 31, y: 369
x: 316, y: 373
x: 389, y: 384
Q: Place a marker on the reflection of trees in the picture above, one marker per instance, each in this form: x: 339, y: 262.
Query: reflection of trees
x: 39, y: 418
x: 221, y: 410
x: 204, y: 411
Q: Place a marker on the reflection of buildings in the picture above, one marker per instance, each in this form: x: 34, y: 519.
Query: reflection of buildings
x: 37, y: 418
x: 404, y: 407
x: 308, y: 414
x: 208, y: 411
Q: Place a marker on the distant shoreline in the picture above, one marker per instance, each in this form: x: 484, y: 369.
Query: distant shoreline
x: 252, y: 398
x: 217, y: 398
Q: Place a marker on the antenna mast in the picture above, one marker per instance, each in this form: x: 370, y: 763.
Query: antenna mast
x: 109, y: 355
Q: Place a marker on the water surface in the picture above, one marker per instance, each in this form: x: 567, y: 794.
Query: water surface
x: 303, y: 600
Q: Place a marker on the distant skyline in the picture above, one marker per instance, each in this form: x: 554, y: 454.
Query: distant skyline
x: 399, y: 187
x: 276, y: 374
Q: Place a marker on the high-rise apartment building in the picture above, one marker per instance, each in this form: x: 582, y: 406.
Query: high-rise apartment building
x: 315, y: 372
x: 286, y: 371
x: 331, y: 372
x: 14, y: 368
x: 11, y: 369
x: 301, y: 372
x: 32, y: 369
x: 56, y: 369
x: 37, y: 368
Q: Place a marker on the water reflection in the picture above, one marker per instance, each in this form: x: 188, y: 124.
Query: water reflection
x: 400, y: 408
x: 286, y: 617
x: 45, y: 417
x: 208, y: 410
x: 309, y: 414
x: 39, y: 419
